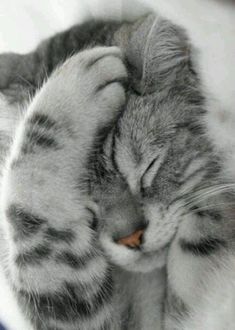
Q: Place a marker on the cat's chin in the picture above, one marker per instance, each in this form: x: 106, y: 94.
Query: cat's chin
x: 133, y: 260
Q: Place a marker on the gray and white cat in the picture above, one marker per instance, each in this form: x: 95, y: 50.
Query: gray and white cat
x: 87, y: 168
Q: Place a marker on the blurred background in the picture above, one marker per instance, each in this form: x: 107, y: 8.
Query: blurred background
x: 23, y: 23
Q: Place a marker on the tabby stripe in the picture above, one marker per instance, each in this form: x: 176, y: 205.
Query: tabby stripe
x: 67, y: 305
x: 188, y: 163
x: 74, y: 261
x: 60, y: 235
x: 42, y: 120
x: 174, y: 305
x: 24, y: 222
x: 212, y: 214
x: 204, y: 247
x: 113, y: 155
x: 33, y: 256
x: 37, y: 138
x: 193, y: 127
x: 193, y: 175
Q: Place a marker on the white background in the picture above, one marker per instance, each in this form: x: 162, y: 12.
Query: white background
x: 23, y: 23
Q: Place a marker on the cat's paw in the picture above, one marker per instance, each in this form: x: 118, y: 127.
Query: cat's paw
x: 105, y: 74
x: 93, y: 82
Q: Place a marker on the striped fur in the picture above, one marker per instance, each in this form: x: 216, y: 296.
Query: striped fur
x: 46, y: 218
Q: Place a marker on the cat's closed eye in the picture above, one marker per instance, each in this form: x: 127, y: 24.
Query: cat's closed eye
x: 150, y: 172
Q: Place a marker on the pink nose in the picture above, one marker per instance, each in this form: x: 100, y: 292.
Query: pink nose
x: 133, y: 240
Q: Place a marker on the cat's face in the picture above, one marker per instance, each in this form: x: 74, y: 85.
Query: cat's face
x: 155, y: 156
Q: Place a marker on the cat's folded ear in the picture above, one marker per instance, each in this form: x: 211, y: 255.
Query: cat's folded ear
x: 155, y: 50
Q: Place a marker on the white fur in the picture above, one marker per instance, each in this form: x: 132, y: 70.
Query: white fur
x: 9, y: 309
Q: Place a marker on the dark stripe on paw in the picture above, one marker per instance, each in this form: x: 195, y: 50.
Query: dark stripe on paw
x: 67, y: 305
x: 40, y: 139
x: 42, y: 120
x: 74, y: 261
x: 33, y: 256
x: 204, y: 247
x: 24, y: 222
x: 60, y: 235
x: 175, y: 306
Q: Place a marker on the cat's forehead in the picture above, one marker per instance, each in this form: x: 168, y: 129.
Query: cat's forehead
x: 148, y: 123
x: 140, y: 135
x: 162, y: 95
x: 151, y: 128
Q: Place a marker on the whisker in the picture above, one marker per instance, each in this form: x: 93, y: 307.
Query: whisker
x: 207, y: 192
x: 211, y: 207
x: 25, y: 80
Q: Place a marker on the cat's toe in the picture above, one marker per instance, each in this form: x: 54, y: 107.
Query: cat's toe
x: 109, y: 75
x: 103, y: 64
x: 107, y: 67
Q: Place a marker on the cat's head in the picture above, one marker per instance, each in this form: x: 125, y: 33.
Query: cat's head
x: 155, y: 156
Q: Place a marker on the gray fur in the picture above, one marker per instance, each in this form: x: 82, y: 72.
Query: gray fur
x: 148, y: 169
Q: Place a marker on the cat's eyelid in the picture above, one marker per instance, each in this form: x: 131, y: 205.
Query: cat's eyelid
x: 149, y: 173
x: 151, y: 164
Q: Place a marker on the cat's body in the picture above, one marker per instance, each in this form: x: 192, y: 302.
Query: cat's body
x: 152, y: 171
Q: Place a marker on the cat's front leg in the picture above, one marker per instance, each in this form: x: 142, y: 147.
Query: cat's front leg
x: 201, y: 268
x: 54, y: 262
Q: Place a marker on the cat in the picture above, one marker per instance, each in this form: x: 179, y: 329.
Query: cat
x: 152, y: 167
